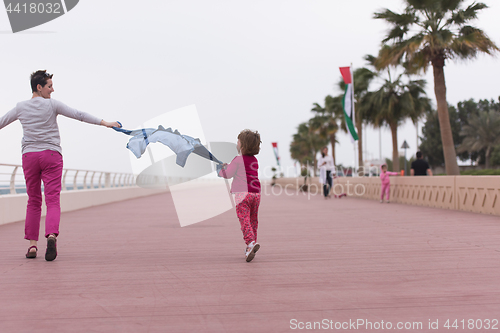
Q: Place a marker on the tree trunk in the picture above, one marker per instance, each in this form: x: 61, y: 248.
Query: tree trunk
x: 395, y: 153
x: 333, y: 141
x: 315, y: 168
x: 450, y: 156
x: 487, y: 158
x: 359, y: 128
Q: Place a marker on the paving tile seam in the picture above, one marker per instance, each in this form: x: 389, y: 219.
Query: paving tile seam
x: 439, y: 236
x: 410, y: 277
x: 302, y: 310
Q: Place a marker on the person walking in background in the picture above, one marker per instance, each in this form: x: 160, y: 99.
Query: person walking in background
x: 386, y: 182
x: 42, y: 157
x: 326, y: 167
x: 420, y: 167
x: 246, y: 187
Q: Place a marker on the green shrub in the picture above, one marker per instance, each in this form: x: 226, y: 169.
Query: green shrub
x: 485, y: 172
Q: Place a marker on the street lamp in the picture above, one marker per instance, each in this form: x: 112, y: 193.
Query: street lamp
x: 405, y: 146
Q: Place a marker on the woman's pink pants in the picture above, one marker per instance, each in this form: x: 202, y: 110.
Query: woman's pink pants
x: 43, y: 166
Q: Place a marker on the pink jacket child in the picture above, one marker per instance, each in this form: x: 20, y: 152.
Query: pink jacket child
x: 386, y: 183
x: 246, y: 188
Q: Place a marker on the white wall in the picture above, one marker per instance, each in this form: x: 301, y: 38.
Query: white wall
x: 13, y: 207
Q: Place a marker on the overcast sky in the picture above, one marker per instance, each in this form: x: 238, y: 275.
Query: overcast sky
x: 244, y: 64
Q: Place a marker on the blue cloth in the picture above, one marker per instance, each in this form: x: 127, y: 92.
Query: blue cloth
x: 181, y: 145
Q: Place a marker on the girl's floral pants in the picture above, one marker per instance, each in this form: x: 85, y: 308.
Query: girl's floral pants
x: 247, y: 209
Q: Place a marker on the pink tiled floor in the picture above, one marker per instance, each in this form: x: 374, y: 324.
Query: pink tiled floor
x: 130, y: 267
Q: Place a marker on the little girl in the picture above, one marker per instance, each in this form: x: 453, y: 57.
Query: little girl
x: 246, y: 187
x: 386, y: 183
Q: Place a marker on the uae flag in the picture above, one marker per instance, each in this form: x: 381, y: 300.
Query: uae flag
x: 275, y: 149
x: 348, y: 101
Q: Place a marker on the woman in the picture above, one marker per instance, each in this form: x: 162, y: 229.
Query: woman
x: 326, y: 167
x: 42, y: 157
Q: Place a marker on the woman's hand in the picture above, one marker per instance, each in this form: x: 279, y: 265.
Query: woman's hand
x: 110, y: 124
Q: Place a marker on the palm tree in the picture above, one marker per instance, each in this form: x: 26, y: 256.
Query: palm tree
x: 306, y: 144
x: 300, y: 146
x: 395, y: 102
x: 429, y: 32
x: 362, y: 78
x: 482, y: 132
x: 326, y: 121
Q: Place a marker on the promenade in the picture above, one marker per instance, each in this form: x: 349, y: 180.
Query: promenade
x: 130, y: 267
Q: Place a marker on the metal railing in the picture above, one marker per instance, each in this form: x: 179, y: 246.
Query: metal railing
x: 12, y: 179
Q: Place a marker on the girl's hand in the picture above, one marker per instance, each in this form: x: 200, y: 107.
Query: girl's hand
x: 224, y: 166
x: 110, y: 124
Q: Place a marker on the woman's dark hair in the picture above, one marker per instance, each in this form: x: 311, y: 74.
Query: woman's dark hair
x: 39, y: 78
x: 249, y: 142
x: 323, y: 154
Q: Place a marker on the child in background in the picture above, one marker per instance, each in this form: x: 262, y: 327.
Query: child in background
x: 246, y: 187
x: 386, y: 183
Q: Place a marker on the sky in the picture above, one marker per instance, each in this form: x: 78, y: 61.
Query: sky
x: 258, y: 65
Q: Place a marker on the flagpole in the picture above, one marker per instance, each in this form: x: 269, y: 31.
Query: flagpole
x: 380, y: 143
x: 354, y: 117
x: 349, y: 108
x: 365, y: 143
x: 417, y: 134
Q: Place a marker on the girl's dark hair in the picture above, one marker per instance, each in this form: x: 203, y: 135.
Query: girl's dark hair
x: 249, y: 142
x: 39, y: 78
x: 323, y: 154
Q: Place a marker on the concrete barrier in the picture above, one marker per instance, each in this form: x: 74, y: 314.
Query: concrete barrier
x: 478, y: 194
x: 13, y: 207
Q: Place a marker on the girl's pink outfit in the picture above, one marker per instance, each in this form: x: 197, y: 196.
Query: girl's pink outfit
x: 386, y: 183
x: 246, y: 190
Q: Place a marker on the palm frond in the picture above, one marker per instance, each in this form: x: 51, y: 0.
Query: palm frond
x: 436, y: 23
x: 448, y: 5
x: 471, y: 41
x: 396, y: 33
x: 418, y: 4
x: 317, y: 108
x: 482, y: 131
x: 463, y: 16
x: 418, y: 62
x: 397, y: 19
x: 443, y: 38
x: 370, y: 59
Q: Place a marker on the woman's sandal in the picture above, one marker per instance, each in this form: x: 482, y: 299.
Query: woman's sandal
x: 51, y: 252
x: 31, y: 254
